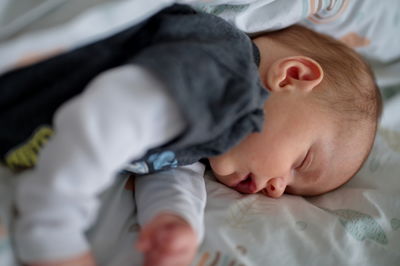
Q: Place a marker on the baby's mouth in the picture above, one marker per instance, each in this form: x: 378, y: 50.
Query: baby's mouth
x: 247, y: 185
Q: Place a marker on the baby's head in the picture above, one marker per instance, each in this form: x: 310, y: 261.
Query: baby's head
x: 320, y: 118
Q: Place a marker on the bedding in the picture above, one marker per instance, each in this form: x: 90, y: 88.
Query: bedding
x: 358, y: 224
x: 36, y: 27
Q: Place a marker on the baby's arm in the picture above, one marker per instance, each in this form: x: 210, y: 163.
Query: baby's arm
x: 171, y: 212
x: 118, y: 117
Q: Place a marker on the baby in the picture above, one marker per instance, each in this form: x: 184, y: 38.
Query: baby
x: 320, y: 122
x: 323, y: 106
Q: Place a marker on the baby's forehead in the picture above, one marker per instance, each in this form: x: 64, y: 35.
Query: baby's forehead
x: 354, y: 141
x: 347, y: 158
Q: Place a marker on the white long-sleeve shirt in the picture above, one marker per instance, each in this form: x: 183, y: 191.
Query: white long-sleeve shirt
x: 179, y: 191
x: 122, y: 113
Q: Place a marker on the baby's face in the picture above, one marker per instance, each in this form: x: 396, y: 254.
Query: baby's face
x: 299, y: 151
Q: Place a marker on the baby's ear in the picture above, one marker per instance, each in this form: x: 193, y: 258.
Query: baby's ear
x: 294, y: 73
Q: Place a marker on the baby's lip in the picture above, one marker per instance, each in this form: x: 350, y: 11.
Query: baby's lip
x: 246, y: 185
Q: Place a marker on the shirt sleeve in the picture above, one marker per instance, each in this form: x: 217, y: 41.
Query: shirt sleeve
x: 120, y: 115
x: 180, y: 191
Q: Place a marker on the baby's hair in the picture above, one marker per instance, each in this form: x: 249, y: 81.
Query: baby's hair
x: 348, y: 86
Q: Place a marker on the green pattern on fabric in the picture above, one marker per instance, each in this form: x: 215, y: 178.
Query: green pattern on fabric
x: 391, y: 137
x: 395, y: 223
x: 361, y: 226
x: 301, y: 225
x: 390, y: 92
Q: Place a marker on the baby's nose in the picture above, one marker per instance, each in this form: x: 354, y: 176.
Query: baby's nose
x: 275, y: 187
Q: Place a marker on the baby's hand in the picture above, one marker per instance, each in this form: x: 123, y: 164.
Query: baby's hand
x: 167, y: 240
x: 82, y: 260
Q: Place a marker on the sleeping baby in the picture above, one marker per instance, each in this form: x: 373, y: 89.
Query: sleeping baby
x: 290, y: 111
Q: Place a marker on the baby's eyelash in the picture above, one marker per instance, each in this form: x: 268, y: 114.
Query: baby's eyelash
x: 303, y: 163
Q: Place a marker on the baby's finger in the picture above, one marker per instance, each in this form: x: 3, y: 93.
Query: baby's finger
x: 176, y: 239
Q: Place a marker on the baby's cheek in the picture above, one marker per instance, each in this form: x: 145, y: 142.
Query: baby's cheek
x: 222, y: 165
